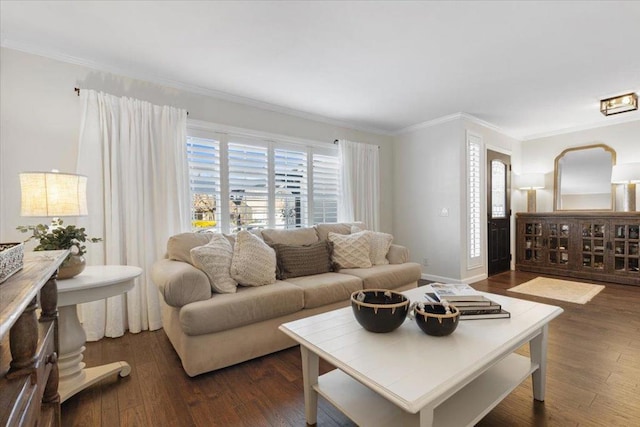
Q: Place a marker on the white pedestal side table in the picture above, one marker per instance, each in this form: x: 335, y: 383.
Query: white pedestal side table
x: 94, y: 283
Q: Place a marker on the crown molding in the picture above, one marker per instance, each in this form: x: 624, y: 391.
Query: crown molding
x: 428, y: 124
x: 452, y: 117
x: 175, y: 84
x: 616, y: 120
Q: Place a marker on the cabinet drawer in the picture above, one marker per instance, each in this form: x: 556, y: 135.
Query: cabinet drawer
x: 24, y: 394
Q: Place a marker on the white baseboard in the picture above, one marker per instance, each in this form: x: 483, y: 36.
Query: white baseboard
x: 442, y: 279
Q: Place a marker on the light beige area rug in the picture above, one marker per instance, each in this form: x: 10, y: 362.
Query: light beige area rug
x: 563, y: 290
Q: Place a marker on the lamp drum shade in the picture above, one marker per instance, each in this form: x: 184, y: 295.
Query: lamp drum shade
x: 530, y: 181
x: 53, y: 194
x: 626, y: 173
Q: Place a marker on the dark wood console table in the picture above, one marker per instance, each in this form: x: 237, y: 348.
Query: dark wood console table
x: 29, y: 343
x: 600, y: 246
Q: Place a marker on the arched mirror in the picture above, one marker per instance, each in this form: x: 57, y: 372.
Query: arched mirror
x: 583, y: 178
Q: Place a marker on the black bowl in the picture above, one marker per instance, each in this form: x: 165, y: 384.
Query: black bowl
x: 434, y: 320
x: 379, y: 310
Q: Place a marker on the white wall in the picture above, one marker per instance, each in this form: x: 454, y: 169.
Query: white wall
x: 41, y: 113
x: 428, y: 179
x: 538, y: 155
x: 430, y: 174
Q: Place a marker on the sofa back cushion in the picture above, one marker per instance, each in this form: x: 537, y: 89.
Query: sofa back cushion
x: 296, y: 236
x: 303, y: 260
x: 337, y: 227
x: 179, y: 246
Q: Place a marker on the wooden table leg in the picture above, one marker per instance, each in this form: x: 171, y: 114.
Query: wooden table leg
x: 538, y: 350
x: 310, y: 369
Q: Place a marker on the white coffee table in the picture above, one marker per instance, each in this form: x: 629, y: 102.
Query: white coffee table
x: 411, y: 379
x: 94, y: 283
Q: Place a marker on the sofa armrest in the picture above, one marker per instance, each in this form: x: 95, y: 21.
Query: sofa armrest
x: 179, y: 282
x: 398, y: 254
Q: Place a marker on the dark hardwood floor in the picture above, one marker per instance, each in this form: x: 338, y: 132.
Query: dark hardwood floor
x: 593, y: 377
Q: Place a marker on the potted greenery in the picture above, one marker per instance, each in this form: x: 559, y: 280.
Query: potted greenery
x: 56, y: 237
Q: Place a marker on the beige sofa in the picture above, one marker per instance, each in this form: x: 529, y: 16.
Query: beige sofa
x: 212, y: 331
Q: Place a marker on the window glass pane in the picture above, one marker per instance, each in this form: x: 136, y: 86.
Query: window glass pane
x: 326, y: 175
x: 498, y: 189
x: 248, y: 187
x: 203, y: 157
x: 291, y: 188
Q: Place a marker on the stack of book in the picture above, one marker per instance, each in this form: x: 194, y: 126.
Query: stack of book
x: 471, y: 303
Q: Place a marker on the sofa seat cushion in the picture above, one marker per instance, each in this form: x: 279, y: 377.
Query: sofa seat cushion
x: 326, y: 288
x: 248, y: 305
x: 390, y: 276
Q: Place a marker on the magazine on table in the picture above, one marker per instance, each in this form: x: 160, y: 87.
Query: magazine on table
x: 456, y: 292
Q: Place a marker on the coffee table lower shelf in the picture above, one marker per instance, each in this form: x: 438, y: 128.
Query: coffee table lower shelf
x: 464, y: 408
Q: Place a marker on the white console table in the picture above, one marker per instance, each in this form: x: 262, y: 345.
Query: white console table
x: 94, y: 283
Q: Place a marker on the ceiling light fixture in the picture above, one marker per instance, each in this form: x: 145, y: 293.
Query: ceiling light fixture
x: 619, y: 104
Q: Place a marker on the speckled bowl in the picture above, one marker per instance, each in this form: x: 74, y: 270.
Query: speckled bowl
x: 434, y: 320
x: 379, y: 310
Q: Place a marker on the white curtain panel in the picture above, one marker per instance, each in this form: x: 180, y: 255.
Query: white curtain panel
x: 134, y: 156
x: 360, y: 183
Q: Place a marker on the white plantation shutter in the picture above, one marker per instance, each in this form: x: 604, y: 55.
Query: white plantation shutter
x: 248, y: 186
x: 291, y: 195
x: 247, y: 181
x: 474, y: 193
x: 326, y: 175
x: 203, y: 157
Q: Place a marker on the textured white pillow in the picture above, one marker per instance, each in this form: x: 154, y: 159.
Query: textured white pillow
x: 254, y: 262
x: 380, y: 244
x: 214, y: 259
x: 351, y: 250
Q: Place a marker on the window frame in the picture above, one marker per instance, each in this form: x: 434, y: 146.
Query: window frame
x: 272, y: 142
x: 474, y: 195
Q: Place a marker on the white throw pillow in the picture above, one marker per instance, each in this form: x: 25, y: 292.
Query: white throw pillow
x: 214, y: 259
x: 380, y: 244
x: 254, y: 262
x: 351, y: 250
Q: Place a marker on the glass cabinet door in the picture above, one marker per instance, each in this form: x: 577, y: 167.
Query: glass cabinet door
x: 626, y: 245
x: 558, y: 251
x: 593, y: 245
x: 533, y: 250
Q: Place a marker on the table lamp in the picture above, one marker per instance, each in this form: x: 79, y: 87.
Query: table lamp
x: 531, y: 182
x: 627, y: 174
x: 53, y: 194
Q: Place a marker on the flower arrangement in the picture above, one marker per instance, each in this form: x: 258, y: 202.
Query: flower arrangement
x: 56, y: 237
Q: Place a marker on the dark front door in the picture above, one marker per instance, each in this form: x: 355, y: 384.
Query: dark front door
x: 498, y: 211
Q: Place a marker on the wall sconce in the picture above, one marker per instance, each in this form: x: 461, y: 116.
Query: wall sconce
x: 530, y: 182
x: 619, y: 104
x: 627, y: 174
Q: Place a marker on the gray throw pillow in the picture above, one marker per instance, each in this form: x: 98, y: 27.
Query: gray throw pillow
x: 303, y: 260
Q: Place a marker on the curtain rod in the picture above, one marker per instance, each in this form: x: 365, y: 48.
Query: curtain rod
x: 335, y: 141
x: 77, y: 91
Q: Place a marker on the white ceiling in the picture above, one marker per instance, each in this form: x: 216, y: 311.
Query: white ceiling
x: 528, y: 68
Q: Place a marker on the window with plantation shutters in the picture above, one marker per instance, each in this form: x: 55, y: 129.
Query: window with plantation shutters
x: 326, y: 175
x: 474, y: 194
x: 248, y: 186
x: 291, y: 195
x: 203, y: 156
x: 246, y: 181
